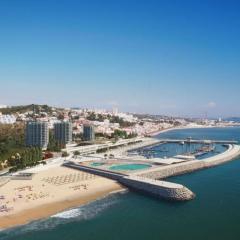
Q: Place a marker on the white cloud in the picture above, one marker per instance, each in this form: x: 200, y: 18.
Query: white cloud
x: 211, y: 104
x: 112, y: 103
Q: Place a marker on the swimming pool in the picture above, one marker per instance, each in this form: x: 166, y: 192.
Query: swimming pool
x: 129, y: 167
x: 96, y: 164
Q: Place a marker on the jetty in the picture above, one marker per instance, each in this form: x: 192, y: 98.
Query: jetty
x: 160, y: 189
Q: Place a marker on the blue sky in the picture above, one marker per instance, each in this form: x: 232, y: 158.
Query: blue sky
x: 167, y: 57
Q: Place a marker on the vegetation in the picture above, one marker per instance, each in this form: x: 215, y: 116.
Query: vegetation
x: 13, y: 152
x: 102, y: 135
x: 122, y: 123
x: 11, y: 140
x: 122, y: 134
x: 102, y: 150
x: 27, y: 157
x: 113, y: 119
x: 76, y: 153
x: 119, y: 134
x: 78, y: 136
x: 65, y: 154
x: 53, y: 145
x: 26, y: 108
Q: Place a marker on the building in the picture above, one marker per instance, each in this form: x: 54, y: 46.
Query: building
x: 88, y: 132
x: 63, y: 132
x: 3, y: 106
x: 7, y: 119
x: 37, y: 134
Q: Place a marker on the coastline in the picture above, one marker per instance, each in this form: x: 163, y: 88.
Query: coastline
x: 47, y: 210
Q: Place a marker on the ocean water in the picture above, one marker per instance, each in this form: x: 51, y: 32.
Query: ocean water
x: 213, y: 214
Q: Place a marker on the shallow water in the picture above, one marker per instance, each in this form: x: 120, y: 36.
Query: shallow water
x: 129, y: 167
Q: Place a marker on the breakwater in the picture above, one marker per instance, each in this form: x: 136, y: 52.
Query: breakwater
x: 160, y: 189
x: 162, y: 172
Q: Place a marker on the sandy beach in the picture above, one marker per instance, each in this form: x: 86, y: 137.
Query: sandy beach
x: 49, y: 192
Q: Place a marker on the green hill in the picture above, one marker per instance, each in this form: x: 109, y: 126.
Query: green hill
x: 26, y: 108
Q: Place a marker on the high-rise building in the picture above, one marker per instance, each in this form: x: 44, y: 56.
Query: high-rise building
x: 63, y: 132
x: 88, y: 132
x: 37, y: 134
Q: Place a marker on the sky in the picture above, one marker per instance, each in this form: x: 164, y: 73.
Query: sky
x: 172, y: 57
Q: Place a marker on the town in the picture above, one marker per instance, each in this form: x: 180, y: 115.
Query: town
x: 31, y: 129
x: 50, y: 155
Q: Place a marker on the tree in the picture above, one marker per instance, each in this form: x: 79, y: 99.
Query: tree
x: 119, y: 134
x: 76, y: 153
x: 53, y: 145
x: 65, y: 154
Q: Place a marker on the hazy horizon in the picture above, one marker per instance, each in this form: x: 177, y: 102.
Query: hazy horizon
x: 175, y: 58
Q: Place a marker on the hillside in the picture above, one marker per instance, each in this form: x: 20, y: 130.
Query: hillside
x: 25, y: 108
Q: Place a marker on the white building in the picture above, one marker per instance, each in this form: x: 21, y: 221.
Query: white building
x: 7, y: 119
x: 3, y: 106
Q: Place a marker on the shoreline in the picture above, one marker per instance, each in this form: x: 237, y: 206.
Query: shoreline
x: 50, y: 191
x: 46, y: 210
x: 153, y: 134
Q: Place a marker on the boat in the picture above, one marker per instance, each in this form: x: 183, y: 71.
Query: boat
x: 204, y: 150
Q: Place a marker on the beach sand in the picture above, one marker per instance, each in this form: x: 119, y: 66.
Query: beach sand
x: 49, y: 192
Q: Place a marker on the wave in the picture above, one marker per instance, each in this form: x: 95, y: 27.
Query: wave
x: 72, y: 213
x: 91, y: 209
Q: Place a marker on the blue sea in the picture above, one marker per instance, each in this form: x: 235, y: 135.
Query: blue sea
x: 213, y: 214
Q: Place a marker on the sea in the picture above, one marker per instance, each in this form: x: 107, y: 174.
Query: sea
x: 213, y: 214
